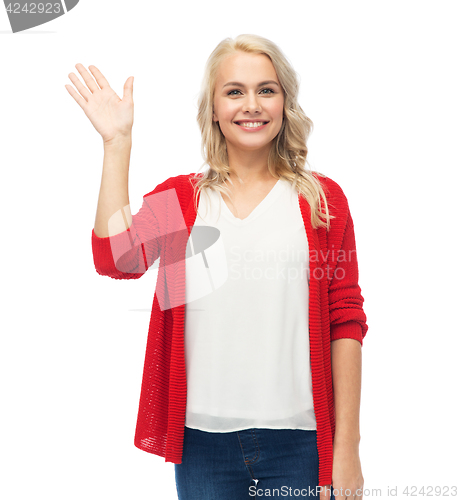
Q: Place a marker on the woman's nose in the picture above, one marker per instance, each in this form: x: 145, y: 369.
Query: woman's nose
x: 252, y: 103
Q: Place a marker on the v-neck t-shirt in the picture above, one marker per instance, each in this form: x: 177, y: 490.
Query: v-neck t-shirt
x: 247, y: 341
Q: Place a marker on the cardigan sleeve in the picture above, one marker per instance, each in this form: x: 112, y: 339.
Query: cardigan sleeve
x: 347, y: 317
x: 129, y: 254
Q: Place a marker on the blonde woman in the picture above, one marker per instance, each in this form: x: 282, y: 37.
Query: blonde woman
x: 252, y: 370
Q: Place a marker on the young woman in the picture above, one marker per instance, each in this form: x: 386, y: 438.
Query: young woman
x: 252, y: 370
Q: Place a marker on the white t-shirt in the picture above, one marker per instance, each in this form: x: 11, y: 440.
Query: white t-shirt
x: 247, y: 342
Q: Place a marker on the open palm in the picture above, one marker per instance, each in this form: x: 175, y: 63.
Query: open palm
x: 111, y: 116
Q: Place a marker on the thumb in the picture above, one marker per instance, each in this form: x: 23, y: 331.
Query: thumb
x: 128, y: 88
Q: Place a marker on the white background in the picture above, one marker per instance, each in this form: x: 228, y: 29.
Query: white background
x: 380, y: 82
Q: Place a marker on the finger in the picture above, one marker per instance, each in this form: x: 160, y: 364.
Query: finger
x: 100, y: 78
x: 87, y: 77
x: 325, y: 492
x: 81, y: 102
x: 128, y: 88
x: 81, y: 88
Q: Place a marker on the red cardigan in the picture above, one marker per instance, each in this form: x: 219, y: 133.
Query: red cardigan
x: 158, y: 230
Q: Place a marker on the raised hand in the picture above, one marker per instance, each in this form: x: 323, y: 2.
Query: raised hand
x: 111, y: 116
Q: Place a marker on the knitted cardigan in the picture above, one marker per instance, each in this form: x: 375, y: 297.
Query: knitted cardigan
x: 161, y: 229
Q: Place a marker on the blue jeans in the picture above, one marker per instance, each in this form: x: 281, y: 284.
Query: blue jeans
x: 235, y: 465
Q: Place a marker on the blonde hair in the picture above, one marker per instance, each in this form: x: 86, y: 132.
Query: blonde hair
x: 287, y: 156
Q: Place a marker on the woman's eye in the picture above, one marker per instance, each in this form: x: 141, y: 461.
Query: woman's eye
x: 231, y: 91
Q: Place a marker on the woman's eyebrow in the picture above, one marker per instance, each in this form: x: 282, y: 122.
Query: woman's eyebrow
x: 242, y: 85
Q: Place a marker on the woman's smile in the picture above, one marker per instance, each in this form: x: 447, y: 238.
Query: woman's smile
x: 252, y: 126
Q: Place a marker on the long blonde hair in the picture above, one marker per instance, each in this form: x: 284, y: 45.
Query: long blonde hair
x: 287, y: 156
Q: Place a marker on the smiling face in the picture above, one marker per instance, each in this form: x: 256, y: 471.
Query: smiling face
x: 247, y: 89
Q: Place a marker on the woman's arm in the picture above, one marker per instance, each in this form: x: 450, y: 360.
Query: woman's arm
x: 113, y: 193
x: 346, y: 361
x: 123, y: 246
x: 348, y: 327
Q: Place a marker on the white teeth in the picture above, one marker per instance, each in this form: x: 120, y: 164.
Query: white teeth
x: 251, y: 125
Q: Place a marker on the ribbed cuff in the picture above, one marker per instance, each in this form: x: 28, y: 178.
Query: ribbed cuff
x: 102, y: 252
x: 347, y: 330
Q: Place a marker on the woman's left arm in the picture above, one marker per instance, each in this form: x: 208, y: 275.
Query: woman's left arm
x: 346, y: 361
x: 348, y: 328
